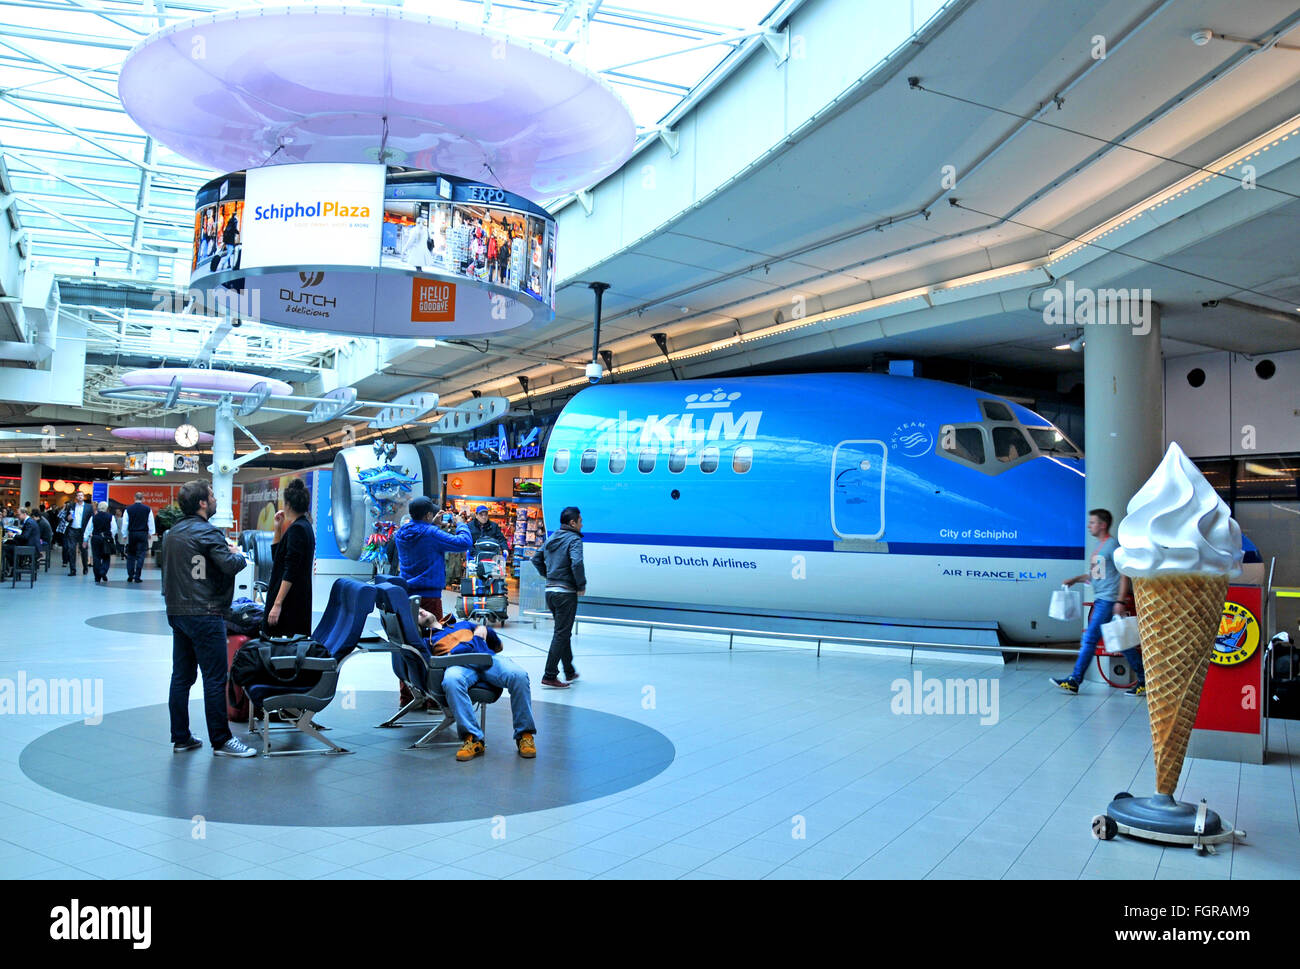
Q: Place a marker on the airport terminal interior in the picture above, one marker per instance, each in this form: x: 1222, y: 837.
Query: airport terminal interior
x: 551, y: 439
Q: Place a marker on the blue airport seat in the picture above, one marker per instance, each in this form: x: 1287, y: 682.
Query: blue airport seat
x: 421, y: 671
x: 339, y: 631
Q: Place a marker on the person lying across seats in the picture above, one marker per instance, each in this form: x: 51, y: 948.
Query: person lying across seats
x: 469, y: 637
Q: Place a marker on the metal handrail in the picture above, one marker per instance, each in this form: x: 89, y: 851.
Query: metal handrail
x: 735, y: 631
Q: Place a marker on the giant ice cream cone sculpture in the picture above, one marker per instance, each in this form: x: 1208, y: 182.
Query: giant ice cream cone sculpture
x: 1178, y: 544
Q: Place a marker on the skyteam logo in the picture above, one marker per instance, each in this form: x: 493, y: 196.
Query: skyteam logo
x: 912, y: 439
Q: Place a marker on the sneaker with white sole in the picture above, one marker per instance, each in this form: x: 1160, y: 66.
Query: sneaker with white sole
x: 1066, y: 685
x: 194, y: 743
x: 234, y: 748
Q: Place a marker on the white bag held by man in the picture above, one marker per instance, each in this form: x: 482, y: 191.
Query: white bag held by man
x: 1120, y: 633
x: 1067, y: 604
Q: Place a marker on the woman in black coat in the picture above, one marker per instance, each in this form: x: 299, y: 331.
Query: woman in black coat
x: 101, y: 541
x: 289, y: 592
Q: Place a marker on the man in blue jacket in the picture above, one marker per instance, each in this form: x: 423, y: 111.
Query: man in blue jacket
x: 421, y: 546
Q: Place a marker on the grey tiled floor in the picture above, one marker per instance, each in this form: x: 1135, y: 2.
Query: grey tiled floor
x: 787, y: 766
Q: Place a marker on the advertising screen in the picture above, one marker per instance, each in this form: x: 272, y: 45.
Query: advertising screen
x: 491, y: 244
x: 324, y: 215
x: 373, y: 251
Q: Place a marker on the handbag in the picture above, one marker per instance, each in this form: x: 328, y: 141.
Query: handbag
x: 1120, y: 633
x: 1067, y: 604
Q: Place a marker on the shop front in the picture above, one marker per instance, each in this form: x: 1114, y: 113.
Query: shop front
x: 501, y: 467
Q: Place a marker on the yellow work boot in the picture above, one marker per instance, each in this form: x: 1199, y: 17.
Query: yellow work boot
x: 526, y: 746
x: 471, y: 748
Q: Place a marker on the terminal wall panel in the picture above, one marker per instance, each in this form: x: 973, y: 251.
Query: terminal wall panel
x: 1198, y: 418
x: 658, y: 185
x: 832, y: 44
x: 738, y: 122
x: 1268, y: 407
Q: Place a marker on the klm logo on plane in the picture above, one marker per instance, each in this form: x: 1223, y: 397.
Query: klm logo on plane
x: 703, y: 418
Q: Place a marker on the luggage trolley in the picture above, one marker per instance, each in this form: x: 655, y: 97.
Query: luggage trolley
x: 483, y: 586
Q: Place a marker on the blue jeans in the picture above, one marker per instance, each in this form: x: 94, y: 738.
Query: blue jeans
x: 198, y: 643
x: 1101, y: 613
x: 506, y: 674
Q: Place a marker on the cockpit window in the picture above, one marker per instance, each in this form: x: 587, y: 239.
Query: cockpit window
x: 996, y: 411
x: 1010, y: 445
x: 1051, y: 441
x: 966, y: 443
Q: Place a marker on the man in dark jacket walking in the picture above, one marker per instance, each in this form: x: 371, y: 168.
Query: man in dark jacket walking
x: 560, y: 563
x: 199, y: 567
x: 139, y: 530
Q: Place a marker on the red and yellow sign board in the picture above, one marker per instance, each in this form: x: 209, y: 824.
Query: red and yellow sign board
x: 1232, y: 697
x: 432, y: 301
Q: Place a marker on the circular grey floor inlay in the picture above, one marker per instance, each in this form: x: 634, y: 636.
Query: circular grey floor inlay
x: 126, y: 762
x: 149, y: 622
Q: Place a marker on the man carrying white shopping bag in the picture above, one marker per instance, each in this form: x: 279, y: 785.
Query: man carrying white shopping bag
x: 1112, y: 595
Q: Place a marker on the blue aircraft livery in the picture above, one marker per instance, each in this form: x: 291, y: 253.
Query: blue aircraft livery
x: 849, y: 494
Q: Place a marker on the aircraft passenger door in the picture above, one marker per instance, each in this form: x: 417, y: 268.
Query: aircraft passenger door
x: 858, y: 489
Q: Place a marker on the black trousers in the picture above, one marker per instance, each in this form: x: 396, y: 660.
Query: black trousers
x: 72, y: 543
x: 137, y: 543
x: 101, y: 560
x: 564, y: 607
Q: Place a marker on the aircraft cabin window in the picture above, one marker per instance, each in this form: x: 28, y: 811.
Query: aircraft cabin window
x: 646, y: 463
x: 588, y: 462
x: 743, y: 459
x: 560, y: 463
x: 677, y: 462
x: 709, y: 459
x: 966, y: 443
x: 997, y: 411
x: 1010, y: 444
x: 617, y: 460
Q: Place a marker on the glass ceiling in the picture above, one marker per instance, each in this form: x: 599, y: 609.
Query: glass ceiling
x: 98, y: 198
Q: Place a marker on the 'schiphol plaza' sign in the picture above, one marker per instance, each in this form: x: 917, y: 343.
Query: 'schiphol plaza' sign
x: 374, y: 251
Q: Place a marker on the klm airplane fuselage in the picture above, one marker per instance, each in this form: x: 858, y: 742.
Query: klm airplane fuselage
x: 850, y: 494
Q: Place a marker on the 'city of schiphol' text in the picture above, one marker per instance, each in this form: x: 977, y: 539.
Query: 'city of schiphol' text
x: 697, y: 561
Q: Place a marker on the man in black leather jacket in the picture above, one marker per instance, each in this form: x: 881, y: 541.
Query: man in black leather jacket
x: 199, y: 566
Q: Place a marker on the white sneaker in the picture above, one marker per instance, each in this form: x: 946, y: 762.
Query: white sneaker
x: 234, y: 748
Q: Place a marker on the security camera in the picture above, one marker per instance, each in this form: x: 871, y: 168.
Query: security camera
x: 1210, y: 304
x: 1202, y: 37
x: 594, y: 372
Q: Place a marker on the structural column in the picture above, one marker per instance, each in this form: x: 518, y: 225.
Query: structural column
x: 1123, y: 393
x: 223, y: 464
x: 29, y: 486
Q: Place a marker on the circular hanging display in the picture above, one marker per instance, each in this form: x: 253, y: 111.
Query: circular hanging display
x: 269, y: 86
x: 370, y: 251
x: 161, y: 435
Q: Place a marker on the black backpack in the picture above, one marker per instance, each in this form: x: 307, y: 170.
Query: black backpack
x: 252, y: 664
x: 244, y: 618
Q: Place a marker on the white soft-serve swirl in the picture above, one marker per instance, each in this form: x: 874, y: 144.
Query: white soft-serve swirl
x: 1178, y: 523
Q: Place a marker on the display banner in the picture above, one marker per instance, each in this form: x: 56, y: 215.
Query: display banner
x: 324, y: 215
x: 1231, y: 698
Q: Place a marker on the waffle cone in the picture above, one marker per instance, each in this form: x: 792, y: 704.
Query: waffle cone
x: 1178, y: 618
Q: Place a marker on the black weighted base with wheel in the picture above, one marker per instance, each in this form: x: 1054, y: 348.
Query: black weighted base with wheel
x: 1161, y: 818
